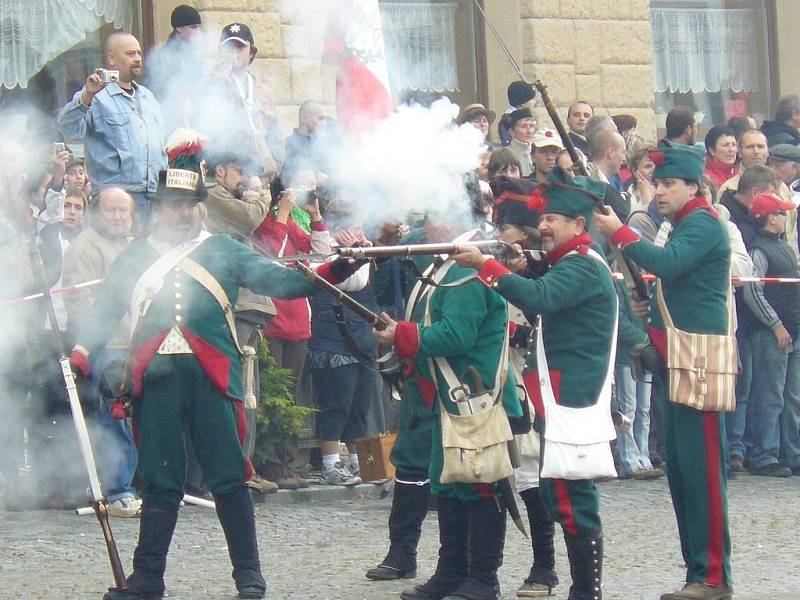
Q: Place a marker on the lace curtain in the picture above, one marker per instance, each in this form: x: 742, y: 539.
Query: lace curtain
x: 420, y: 42
x: 705, y: 50
x: 33, y: 32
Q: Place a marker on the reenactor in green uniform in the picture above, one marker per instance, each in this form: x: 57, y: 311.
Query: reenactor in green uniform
x: 179, y: 285
x: 468, y: 328
x: 694, y: 268
x: 575, y: 347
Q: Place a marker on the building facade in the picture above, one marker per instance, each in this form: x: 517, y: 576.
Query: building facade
x: 641, y: 57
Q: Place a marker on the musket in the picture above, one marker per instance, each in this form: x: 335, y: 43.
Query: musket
x: 98, y: 500
x: 414, y: 249
x: 389, y: 366
x: 577, y: 159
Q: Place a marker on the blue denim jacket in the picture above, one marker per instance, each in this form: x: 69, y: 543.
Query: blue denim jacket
x: 123, y: 149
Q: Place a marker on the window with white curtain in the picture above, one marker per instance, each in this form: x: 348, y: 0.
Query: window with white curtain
x: 33, y: 32
x: 431, y: 49
x: 712, y: 56
x: 420, y: 39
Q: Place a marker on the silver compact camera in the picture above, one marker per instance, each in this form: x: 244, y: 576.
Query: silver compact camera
x: 60, y: 147
x: 109, y: 75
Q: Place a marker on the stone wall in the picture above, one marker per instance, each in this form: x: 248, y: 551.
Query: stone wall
x: 594, y: 50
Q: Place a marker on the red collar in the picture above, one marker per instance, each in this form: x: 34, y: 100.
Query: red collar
x: 581, y: 243
x: 696, y: 203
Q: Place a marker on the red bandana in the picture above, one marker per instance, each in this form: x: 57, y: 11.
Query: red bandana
x: 581, y: 243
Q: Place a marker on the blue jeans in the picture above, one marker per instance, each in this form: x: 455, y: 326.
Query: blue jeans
x: 143, y: 215
x: 633, y: 400
x: 790, y: 417
x: 112, y: 440
x: 736, y: 422
x: 763, y: 438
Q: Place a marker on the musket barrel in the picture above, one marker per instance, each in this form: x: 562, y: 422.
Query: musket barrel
x: 413, y: 249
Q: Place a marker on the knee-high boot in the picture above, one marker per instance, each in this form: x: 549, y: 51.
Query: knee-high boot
x: 235, y: 512
x: 409, y: 508
x: 452, y: 567
x: 543, y: 574
x: 487, y: 535
x: 585, y: 565
x: 156, y: 527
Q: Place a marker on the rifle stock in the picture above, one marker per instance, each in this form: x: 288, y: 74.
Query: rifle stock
x: 362, y: 311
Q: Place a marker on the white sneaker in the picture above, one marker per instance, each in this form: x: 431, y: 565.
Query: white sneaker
x: 339, y: 475
x: 127, y: 508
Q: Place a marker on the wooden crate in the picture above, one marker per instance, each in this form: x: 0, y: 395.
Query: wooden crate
x: 373, y: 457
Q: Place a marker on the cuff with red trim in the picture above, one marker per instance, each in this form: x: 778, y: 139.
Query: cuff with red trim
x: 491, y: 272
x: 318, y: 226
x: 79, y: 359
x: 406, y: 339
x: 326, y: 271
x: 624, y: 236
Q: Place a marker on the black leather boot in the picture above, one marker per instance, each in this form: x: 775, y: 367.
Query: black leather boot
x: 487, y: 535
x: 585, y: 565
x: 409, y: 508
x: 156, y: 527
x: 235, y: 512
x: 542, y: 574
x: 452, y: 567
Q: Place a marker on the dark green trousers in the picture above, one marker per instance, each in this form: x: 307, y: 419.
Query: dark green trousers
x: 696, y: 456
x: 178, y: 400
x: 573, y: 503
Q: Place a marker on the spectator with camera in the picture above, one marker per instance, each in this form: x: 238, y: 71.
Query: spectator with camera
x: 250, y: 119
x: 69, y: 173
x: 121, y: 124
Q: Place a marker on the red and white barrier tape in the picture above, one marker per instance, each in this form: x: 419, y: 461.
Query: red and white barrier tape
x: 62, y: 290
x: 649, y: 277
x: 618, y: 276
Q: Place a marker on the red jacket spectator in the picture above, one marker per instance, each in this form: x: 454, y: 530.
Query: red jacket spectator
x: 293, y: 321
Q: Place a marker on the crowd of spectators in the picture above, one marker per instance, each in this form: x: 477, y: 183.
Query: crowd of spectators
x: 277, y: 194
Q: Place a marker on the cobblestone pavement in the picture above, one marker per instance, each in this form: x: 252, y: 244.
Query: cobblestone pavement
x: 320, y: 549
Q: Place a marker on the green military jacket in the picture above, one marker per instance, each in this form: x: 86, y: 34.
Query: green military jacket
x: 694, y: 267
x: 577, y: 302
x: 182, y: 302
x: 468, y: 327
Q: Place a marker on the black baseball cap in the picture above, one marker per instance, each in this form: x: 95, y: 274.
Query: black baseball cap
x: 238, y: 32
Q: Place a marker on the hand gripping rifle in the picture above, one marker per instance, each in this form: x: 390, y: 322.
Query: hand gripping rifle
x: 98, y: 500
x: 639, y: 284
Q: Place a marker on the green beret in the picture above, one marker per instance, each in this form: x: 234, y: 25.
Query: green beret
x: 572, y: 196
x: 678, y: 161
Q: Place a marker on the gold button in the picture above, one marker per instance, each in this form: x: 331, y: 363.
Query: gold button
x: 177, y: 284
x: 178, y: 318
x: 177, y: 294
x: 177, y: 307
